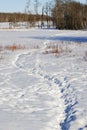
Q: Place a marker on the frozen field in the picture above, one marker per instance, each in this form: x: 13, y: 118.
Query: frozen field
x: 43, y: 79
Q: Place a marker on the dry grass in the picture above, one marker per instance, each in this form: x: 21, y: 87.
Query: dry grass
x: 1, y: 48
x: 11, y: 48
x: 56, y: 49
x: 36, y: 47
x: 1, y: 57
x: 14, y: 47
x: 85, y: 57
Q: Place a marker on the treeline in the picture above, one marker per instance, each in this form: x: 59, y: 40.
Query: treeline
x: 20, y: 17
x: 68, y: 14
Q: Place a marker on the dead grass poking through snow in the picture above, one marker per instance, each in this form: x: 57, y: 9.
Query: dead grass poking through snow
x: 85, y: 57
x: 14, y: 47
x: 57, y: 48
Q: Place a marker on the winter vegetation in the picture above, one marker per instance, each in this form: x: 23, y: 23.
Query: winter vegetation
x: 63, y: 14
x: 43, y: 67
x: 57, y: 48
x: 70, y: 14
x: 43, y: 80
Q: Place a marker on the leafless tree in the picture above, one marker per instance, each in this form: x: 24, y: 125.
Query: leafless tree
x: 27, y: 8
x: 36, y: 6
x: 47, y: 11
x: 69, y: 14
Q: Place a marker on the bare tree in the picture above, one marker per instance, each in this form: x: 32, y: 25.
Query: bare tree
x: 27, y: 8
x: 36, y: 5
x: 69, y: 14
x: 42, y: 17
x: 47, y: 11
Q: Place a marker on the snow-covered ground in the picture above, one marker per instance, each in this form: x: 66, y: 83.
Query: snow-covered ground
x: 41, y: 88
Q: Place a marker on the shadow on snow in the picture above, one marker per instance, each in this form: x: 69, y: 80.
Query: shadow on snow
x: 69, y: 117
x: 61, y: 38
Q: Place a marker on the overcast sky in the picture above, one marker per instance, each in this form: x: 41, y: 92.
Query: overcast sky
x: 19, y: 5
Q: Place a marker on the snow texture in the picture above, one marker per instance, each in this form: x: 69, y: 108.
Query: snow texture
x: 41, y: 90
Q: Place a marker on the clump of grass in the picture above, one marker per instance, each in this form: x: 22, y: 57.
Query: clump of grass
x: 85, y: 57
x: 56, y: 49
x: 1, y: 57
x: 36, y: 47
x: 14, y: 47
x: 52, y: 49
x: 1, y: 48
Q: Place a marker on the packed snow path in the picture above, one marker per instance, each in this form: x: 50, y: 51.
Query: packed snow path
x: 43, y: 91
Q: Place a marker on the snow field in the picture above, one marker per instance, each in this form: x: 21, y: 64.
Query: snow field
x: 44, y: 91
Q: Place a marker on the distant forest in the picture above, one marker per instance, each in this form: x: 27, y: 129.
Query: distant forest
x: 20, y: 17
x: 64, y: 14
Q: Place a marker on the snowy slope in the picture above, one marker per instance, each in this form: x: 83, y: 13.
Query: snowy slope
x: 39, y: 89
